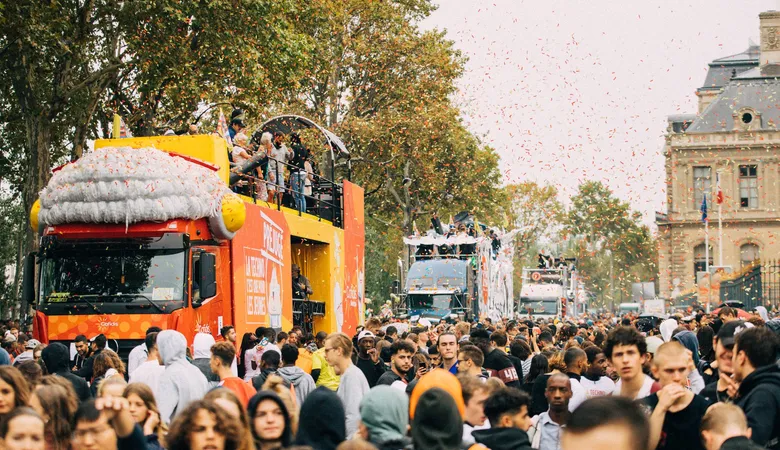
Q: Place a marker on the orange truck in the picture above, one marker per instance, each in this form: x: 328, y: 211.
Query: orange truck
x: 125, y: 245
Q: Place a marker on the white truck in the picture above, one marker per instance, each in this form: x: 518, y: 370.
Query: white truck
x: 544, y: 293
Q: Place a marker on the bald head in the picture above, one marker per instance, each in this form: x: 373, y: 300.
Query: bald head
x: 721, y: 422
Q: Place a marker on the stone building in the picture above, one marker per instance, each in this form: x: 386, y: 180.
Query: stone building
x: 733, y: 136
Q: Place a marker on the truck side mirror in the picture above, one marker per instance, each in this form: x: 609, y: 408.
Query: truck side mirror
x: 28, y: 283
x: 206, y: 276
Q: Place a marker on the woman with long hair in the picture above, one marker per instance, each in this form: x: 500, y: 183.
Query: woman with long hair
x: 53, y: 380
x: 143, y: 408
x: 22, y: 428
x: 54, y: 404
x: 107, y: 364
x: 270, y: 421
x: 227, y: 400
x: 204, y: 424
x: 14, y: 389
x: 539, y: 366
x: 247, y: 367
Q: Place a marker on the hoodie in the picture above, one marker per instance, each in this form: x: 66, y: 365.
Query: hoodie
x: 759, y: 398
x: 321, y: 423
x: 437, y: 423
x: 689, y: 341
x: 301, y: 381
x: 502, y: 438
x: 667, y: 328
x: 255, y: 401
x: 201, y: 355
x: 385, y: 412
x: 182, y: 382
x: 56, y: 358
x: 441, y: 379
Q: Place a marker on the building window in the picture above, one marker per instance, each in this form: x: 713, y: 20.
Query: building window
x: 748, y: 186
x: 699, y: 260
x: 748, y: 253
x: 702, y: 184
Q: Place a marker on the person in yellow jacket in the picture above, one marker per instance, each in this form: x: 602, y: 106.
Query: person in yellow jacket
x: 321, y: 371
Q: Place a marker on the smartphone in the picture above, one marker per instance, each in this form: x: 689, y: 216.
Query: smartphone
x: 263, y: 342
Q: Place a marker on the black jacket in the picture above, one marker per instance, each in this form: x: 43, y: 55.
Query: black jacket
x: 57, y: 360
x: 370, y: 370
x: 86, y: 370
x: 739, y: 443
x: 498, y: 365
x: 759, y: 398
x: 437, y: 424
x: 502, y: 438
x: 321, y: 423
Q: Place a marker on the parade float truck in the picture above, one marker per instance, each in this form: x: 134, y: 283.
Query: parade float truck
x: 546, y: 292
x: 471, y: 279
x: 145, y: 232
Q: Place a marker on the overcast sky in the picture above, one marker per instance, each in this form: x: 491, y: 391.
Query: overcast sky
x: 567, y: 91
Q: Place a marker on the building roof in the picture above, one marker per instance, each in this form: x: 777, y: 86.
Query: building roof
x: 759, y: 94
x: 723, y: 69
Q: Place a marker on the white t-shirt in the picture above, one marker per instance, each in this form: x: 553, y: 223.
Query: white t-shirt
x: 148, y: 373
x: 603, y: 386
x: 577, y: 394
x: 647, y: 387
x: 249, y: 358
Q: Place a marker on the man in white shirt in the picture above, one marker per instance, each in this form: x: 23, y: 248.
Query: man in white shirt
x: 576, y: 361
x: 626, y: 349
x: 138, y: 355
x: 151, y: 370
x: 595, y: 381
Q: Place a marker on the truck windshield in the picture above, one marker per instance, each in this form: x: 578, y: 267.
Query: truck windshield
x: 118, y: 274
x: 422, y: 301
x: 539, y: 306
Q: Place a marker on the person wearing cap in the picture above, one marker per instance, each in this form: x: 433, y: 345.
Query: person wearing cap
x: 236, y: 125
x: 27, y: 355
x: 368, y: 360
x: 722, y: 367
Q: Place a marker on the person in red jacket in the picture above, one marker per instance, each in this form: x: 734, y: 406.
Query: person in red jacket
x: 222, y: 355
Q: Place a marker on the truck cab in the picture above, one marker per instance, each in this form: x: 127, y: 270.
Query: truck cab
x: 438, y: 289
x: 543, y: 293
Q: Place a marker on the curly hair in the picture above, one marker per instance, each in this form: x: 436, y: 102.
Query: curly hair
x: 179, y: 435
x: 625, y: 336
x: 227, y: 394
x: 107, y: 359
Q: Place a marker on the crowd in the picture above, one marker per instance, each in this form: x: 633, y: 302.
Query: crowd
x: 278, y: 163
x: 702, y: 382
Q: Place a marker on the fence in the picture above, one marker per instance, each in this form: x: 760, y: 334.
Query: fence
x: 757, y: 285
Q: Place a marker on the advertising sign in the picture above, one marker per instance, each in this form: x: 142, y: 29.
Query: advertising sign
x: 354, y: 264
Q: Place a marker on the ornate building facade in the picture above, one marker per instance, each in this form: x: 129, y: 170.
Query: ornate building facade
x: 735, y: 136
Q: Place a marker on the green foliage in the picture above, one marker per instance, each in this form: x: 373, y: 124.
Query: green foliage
x: 613, y: 248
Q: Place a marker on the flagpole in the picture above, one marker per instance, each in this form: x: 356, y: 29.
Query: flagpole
x: 706, y: 248
x: 720, y: 221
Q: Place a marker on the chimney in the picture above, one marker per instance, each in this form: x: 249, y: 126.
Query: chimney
x: 770, y: 38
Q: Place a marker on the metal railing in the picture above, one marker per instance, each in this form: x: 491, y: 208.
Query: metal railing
x: 325, y: 200
x: 758, y: 285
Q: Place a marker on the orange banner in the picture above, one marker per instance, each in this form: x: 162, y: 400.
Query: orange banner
x: 354, y: 247
x: 262, y: 281
x: 114, y: 326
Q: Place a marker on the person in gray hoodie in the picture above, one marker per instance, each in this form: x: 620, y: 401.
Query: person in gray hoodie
x: 201, y: 356
x: 384, y: 418
x: 182, y: 382
x: 301, y: 381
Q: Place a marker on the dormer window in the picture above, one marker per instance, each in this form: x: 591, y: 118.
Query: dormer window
x: 746, y: 119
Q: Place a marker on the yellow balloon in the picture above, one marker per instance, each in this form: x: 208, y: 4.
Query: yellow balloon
x: 233, y: 212
x: 36, y: 208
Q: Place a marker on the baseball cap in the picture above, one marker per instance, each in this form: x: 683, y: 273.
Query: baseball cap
x: 32, y: 343
x: 653, y: 342
x: 9, y: 338
x: 728, y: 331
x: 365, y: 334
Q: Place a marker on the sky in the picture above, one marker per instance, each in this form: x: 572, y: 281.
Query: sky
x: 567, y: 91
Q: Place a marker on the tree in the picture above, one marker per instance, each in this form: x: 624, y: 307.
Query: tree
x: 612, y: 246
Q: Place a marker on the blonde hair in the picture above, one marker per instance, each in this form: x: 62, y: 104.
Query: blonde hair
x: 341, y: 341
x: 275, y: 384
x: 241, y: 139
x: 670, y: 349
x: 114, y: 380
x: 266, y: 138
x: 145, y: 393
x: 722, y: 416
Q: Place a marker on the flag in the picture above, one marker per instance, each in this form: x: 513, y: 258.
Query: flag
x: 222, y: 128
x: 704, y: 208
x: 123, y: 131
x: 719, y: 195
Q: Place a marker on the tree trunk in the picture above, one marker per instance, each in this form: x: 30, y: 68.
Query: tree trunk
x: 38, y: 167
